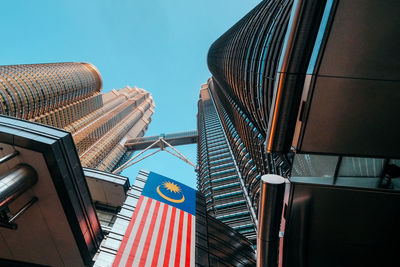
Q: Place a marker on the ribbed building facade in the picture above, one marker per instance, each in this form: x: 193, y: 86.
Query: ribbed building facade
x: 244, y: 60
x: 219, y: 178
x: 68, y: 96
x: 100, y: 136
x: 244, y: 63
x: 53, y: 94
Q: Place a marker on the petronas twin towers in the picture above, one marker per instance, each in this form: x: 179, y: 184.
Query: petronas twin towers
x: 297, y: 144
x: 68, y: 96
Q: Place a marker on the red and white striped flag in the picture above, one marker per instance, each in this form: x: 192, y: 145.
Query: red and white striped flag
x: 159, y: 234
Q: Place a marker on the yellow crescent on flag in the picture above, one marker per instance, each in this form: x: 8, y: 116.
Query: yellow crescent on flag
x: 168, y: 198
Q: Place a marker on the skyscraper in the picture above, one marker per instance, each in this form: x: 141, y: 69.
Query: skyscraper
x: 240, y: 92
x: 68, y: 96
x: 244, y: 61
x: 100, y: 136
x: 52, y: 94
x: 304, y: 90
x: 219, y: 177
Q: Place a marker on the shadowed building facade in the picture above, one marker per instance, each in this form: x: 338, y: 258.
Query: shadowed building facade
x: 306, y: 91
x: 68, y: 96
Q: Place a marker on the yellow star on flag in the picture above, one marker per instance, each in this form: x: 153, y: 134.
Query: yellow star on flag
x: 172, y: 187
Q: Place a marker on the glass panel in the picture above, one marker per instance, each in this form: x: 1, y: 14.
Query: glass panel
x: 306, y: 165
x: 106, y: 218
x: 360, y: 167
x: 353, y: 171
x: 367, y: 182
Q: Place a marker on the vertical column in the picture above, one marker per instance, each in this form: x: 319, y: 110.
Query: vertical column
x: 269, y: 219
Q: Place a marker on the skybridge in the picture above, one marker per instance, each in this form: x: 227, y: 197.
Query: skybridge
x: 162, y: 142
x: 174, y: 139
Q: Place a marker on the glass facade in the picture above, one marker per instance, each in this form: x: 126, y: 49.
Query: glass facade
x: 245, y: 141
x: 348, y: 171
x: 217, y: 244
x: 244, y: 63
x: 218, y: 176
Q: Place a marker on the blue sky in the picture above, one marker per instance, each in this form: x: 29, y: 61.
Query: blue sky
x: 158, y: 45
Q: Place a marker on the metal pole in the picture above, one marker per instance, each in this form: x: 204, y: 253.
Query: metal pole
x: 269, y: 219
x: 9, y: 156
x: 179, y: 157
x: 23, y: 209
x: 15, y: 182
x: 140, y: 153
x: 127, y: 166
x: 186, y: 159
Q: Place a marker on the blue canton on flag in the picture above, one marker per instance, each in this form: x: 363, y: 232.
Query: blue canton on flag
x: 170, y: 192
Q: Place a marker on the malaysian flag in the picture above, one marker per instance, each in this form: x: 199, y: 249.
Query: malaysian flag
x: 162, y: 229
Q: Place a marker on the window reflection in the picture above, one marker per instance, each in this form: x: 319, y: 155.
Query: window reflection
x: 346, y: 171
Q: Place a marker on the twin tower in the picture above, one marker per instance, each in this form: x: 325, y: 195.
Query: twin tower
x: 68, y: 96
x: 307, y: 90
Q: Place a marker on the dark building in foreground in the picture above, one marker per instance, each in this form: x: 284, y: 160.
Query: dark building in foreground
x: 306, y: 90
x: 47, y: 215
